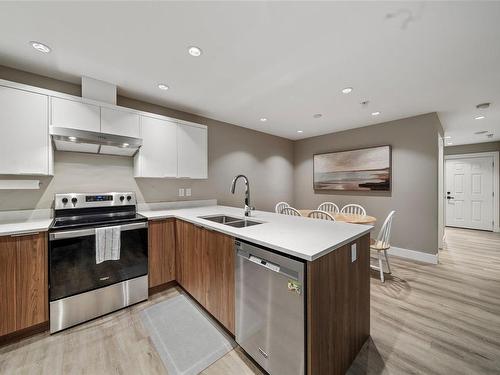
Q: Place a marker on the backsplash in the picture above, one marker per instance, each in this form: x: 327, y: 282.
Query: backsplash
x: 79, y: 172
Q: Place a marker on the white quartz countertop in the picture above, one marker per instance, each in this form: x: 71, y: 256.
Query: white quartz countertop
x: 9, y: 227
x: 302, y: 237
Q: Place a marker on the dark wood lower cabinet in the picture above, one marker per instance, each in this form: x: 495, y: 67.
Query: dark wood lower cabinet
x: 338, y: 308
x: 189, y: 265
x: 205, y: 269
x: 8, y: 261
x: 218, y: 277
x: 161, y: 257
x: 24, y: 282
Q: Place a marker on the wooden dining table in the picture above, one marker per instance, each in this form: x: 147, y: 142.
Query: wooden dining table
x: 347, y: 218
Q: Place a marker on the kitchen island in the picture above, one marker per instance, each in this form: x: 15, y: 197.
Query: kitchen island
x: 336, y: 262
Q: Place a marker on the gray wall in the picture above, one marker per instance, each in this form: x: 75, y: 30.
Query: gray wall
x: 278, y: 169
x: 266, y: 160
x: 414, y: 193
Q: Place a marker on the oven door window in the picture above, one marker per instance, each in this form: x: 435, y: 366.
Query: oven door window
x: 73, y: 268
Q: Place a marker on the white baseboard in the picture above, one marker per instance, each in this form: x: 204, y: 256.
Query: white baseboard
x: 413, y: 255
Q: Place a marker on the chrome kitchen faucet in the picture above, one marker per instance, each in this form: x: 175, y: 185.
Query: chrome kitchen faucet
x: 248, y: 208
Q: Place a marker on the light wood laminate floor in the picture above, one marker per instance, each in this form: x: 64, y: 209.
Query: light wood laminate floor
x: 426, y: 319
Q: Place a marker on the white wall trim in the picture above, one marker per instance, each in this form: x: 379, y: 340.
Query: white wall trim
x: 496, y: 177
x: 413, y: 255
x: 441, y: 199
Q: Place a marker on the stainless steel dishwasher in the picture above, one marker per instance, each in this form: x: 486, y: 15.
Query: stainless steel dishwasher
x: 270, y: 309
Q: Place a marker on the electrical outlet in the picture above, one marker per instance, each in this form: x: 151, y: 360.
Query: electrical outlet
x: 188, y: 192
x: 181, y: 192
x: 354, y: 252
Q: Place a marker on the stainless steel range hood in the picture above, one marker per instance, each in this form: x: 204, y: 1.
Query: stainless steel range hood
x: 67, y: 139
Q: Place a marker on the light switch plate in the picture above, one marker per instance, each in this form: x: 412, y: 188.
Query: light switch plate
x: 181, y: 192
x: 188, y: 192
x: 354, y: 252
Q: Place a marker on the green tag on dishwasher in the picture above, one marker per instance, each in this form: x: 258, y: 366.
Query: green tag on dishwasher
x: 294, y: 286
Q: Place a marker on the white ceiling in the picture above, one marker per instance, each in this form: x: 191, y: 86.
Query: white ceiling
x: 283, y: 61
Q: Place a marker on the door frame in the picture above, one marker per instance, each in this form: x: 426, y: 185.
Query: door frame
x: 441, y: 199
x: 495, y: 155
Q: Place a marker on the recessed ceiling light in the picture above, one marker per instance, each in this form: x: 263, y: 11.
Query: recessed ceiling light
x: 162, y: 86
x: 449, y: 143
x: 317, y: 115
x: 481, y: 132
x: 263, y: 119
x: 375, y: 113
x: 347, y: 90
x: 72, y: 139
x: 447, y: 137
x: 479, y: 117
x: 194, y: 51
x: 300, y: 131
x: 40, y: 47
x: 125, y: 145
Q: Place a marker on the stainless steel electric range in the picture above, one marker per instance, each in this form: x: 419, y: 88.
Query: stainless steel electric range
x: 83, y: 284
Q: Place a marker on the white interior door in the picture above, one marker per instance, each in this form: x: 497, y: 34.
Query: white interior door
x: 469, y: 192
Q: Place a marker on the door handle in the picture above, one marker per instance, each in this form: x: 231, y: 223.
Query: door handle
x: 91, y: 231
x: 449, y: 197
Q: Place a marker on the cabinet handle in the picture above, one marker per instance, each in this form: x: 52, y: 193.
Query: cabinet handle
x: 24, y: 234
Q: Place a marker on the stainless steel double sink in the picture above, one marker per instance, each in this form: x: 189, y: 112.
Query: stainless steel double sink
x: 235, y: 222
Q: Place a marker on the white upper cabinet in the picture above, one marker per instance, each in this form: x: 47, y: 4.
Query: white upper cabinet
x: 24, y: 139
x: 158, y: 155
x: 192, y: 151
x: 115, y: 121
x: 170, y: 148
x: 76, y: 115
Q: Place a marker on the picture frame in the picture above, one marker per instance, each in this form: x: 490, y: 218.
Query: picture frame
x: 363, y: 169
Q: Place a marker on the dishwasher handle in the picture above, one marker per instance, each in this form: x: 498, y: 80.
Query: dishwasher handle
x: 268, y: 265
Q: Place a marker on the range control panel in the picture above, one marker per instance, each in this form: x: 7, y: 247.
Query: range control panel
x: 86, y: 200
x: 98, y: 198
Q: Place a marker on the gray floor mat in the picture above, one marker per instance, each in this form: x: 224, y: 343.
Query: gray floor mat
x: 187, y: 339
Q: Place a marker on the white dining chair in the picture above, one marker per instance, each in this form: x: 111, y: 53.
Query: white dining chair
x: 381, y: 244
x: 329, y: 207
x: 354, y: 209
x: 279, y: 206
x: 290, y: 211
x: 318, y: 214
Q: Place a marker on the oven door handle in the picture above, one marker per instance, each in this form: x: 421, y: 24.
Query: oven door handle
x: 91, y: 231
